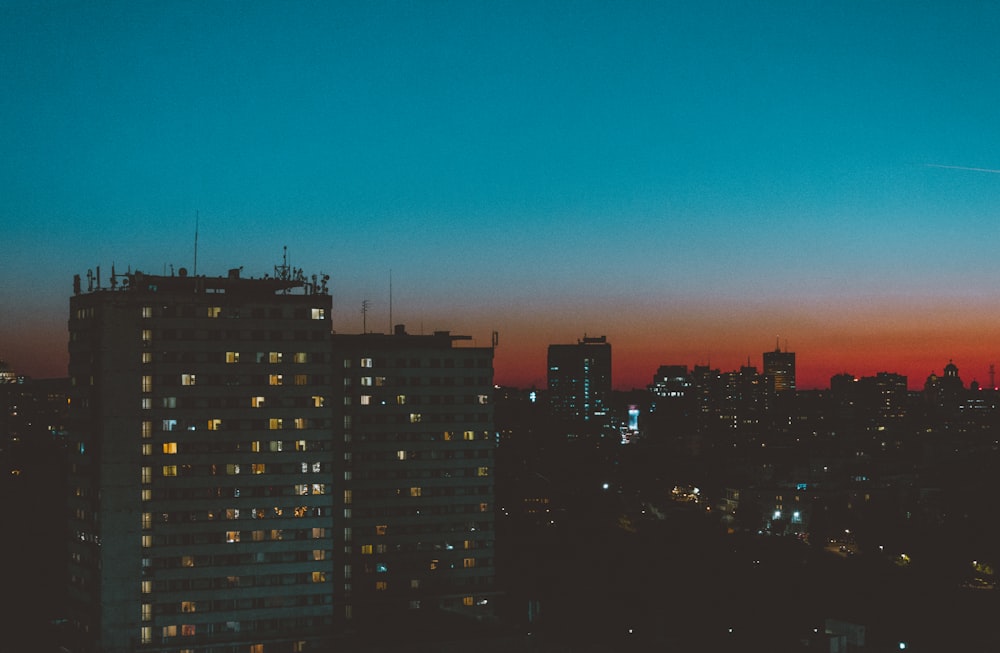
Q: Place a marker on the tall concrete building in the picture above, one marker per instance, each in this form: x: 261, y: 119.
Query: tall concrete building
x: 200, y: 509
x: 579, y: 378
x: 779, y: 371
x: 414, y: 485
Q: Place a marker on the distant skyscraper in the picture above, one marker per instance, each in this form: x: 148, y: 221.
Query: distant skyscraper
x: 416, y: 475
x: 779, y: 370
x: 580, y: 379
x: 201, y: 515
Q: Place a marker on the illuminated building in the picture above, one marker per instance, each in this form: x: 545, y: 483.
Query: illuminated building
x: 200, y: 507
x: 579, y: 379
x: 779, y: 370
x: 414, y: 483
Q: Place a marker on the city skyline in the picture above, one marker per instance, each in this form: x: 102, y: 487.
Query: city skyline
x: 691, y: 182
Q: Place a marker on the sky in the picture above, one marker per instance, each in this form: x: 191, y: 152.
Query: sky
x: 697, y: 181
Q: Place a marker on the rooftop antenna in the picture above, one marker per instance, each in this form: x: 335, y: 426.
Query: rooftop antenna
x: 993, y: 381
x: 777, y: 344
x: 197, y: 216
x: 391, y: 326
x: 364, y: 315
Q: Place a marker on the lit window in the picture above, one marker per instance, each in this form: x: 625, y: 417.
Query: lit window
x: 366, y: 380
x: 348, y: 496
x: 318, y: 488
x: 367, y: 549
x: 366, y: 400
x: 188, y: 606
x: 147, y: 357
x: 401, y: 454
x: 147, y: 474
x: 469, y: 435
x: 381, y: 529
x: 147, y: 450
x: 274, y: 357
x: 415, y: 418
x: 379, y: 381
x: 275, y: 424
x: 300, y: 445
x: 258, y: 536
x: 232, y: 536
x: 147, y: 429
x: 146, y: 586
x: 147, y: 383
x: 319, y: 577
x: 484, y: 399
x: 301, y: 379
x: 483, y: 471
x: 318, y: 313
x: 300, y: 357
x: 300, y: 423
x: 318, y: 402
x: 232, y: 469
x: 256, y: 402
x: 484, y: 507
x: 366, y: 362
x: 276, y: 379
x: 318, y: 533
x: 170, y: 447
x: 147, y: 541
x: 277, y: 534
x: 187, y: 561
x: 170, y: 402
x: 146, y: 312
x: 170, y: 470
x: 147, y: 521
x: 213, y: 311
x: 146, y: 634
x: 147, y: 611
x: 401, y: 399
x: 232, y: 357
x: 169, y: 425
x: 320, y: 554
x: 255, y: 446
x: 381, y: 585
x: 147, y: 335
x: 147, y: 495
x: 215, y: 425
x: 467, y: 600
x: 258, y: 468
x: 274, y: 445
x: 447, y: 435
x: 347, y: 363
x: 434, y: 564
x: 147, y: 403
x: 187, y: 379
x: 416, y: 492
x: 468, y: 563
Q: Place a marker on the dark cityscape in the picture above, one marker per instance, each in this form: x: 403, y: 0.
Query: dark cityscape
x: 220, y: 472
x: 452, y: 325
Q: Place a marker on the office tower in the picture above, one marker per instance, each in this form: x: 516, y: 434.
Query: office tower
x: 200, y: 506
x: 415, y: 475
x: 779, y: 370
x: 580, y: 379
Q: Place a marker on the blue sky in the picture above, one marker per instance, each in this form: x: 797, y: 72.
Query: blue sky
x: 641, y: 169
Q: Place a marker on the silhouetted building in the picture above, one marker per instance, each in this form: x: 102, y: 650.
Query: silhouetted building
x: 201, y: 515
x: 944, y: 394
x: 415, y: 481
x: 579, y: 379
x: 779, y: 370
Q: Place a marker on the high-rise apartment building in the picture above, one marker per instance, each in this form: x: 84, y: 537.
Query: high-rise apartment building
x: 414, y: 485
x: 779, y: 371
x: 579, y: 378
x: 200, y: 500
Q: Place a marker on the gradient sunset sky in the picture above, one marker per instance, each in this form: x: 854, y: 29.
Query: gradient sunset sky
x: 691, y: 179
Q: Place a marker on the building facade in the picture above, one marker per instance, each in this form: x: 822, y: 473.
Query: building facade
x: 579, y: 379
x: 414, y: 481
x: 779, y: 370
x: 200, y: 508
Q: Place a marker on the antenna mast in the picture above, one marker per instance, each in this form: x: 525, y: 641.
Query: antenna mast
x: 364, y: 315
x: 391, y: 326
x: 197, y: 215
